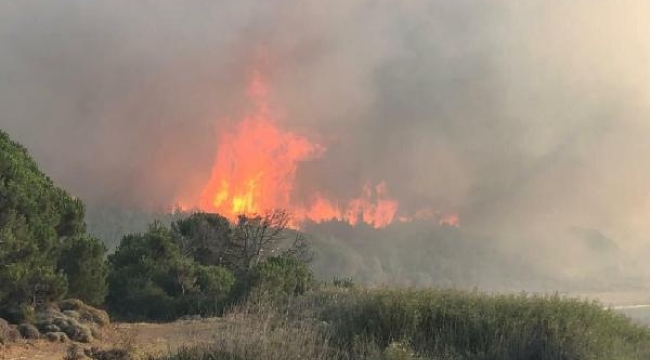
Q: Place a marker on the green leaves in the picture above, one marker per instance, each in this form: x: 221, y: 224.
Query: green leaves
x: 82, y: 262
x: 151, y: 278
x: 44, y: 251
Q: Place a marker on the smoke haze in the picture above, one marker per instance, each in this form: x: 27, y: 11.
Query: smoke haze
x: 530, y: 119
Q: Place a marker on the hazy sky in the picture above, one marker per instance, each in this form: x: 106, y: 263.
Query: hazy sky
x: 525, y: 117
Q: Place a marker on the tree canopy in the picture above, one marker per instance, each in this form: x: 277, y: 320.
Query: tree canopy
x: 42, y: 235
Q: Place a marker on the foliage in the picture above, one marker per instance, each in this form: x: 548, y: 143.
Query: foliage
x: 83, y: 264
x: 278, y: 278
x: 150, y: 278
x: 336, y: 323
x: 111, y: 223
x: 192, y: 267
x: 204, y: 237
x: 477, y: 326
x: 37, y: 219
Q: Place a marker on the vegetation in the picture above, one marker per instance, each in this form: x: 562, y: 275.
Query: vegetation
x: 470, y: 325
x: 42, y: 232
x: 258, y: 268
x: 150, y: 278
x: 190, y: 267
x: 202, y: 264
x: 426, y: 324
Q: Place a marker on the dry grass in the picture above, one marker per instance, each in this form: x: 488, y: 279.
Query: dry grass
x: 142, y: 339
x: 33, y: 350
x: 253, y: 333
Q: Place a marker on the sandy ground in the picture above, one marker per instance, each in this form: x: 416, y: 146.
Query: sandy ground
x: 146, y: 338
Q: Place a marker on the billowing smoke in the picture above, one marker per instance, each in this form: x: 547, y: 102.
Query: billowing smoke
x: 528, y: 119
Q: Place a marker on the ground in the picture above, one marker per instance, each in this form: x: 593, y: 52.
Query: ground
x: 150, y: 338
x: 147, y: 338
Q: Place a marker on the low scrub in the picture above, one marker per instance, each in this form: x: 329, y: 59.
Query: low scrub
x: 252, y: 334
x: 428, y: 324
x: 471, y: 325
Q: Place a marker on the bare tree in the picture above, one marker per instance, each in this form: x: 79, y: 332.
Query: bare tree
x: 257, y: 238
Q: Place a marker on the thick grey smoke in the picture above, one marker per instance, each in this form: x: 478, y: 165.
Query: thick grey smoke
x: 530, y: 119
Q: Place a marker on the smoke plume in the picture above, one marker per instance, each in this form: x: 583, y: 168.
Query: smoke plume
x: 527, y: 119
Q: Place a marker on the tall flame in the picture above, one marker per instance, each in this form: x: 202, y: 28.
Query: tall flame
x: 255, y: 169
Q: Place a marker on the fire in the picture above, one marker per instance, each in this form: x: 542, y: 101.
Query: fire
x: 256, y: 163
x: 373, y: 207
x: 255, y: 170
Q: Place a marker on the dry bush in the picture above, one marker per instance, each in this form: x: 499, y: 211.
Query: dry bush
x: 251, y: 334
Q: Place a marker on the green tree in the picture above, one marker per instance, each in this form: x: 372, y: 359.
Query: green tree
x: 204, y: 237
x: 82, y: 262
x: 36, y: 219
x: 150, y: 278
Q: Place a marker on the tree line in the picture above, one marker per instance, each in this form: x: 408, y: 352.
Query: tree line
x: 198, y: 265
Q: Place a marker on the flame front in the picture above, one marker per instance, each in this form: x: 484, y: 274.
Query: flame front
x: 256, y: 163
x: 255, y: 170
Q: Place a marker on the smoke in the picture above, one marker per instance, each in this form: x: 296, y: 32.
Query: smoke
x: 528, y: 119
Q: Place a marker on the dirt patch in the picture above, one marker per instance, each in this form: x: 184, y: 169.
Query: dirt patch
x: 142, y: 338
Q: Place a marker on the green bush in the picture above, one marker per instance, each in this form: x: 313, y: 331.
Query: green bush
x: 150, y: 278
x: 477, y: 326
x: 277, y: 278
x: 204, y: 237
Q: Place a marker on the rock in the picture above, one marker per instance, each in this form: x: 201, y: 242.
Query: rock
x: 81, y: 333
x: 76, y: 352
x: 64, y: 323
x: 86, y: 312
x: 74, y: 329
x: 57, y: 337
x: 72, y: 314
x: 95, y: 331
x: 49, y: 328
x: 29, y: 331
x: 7, y: 332
x: 110, y: 354
x: 45, y: 318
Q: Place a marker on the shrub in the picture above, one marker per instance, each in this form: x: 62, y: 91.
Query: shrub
x: 82, y: 262
x: 277, y: 278
x: 18, y: 313
x: 477, y: 326
x: 214, y: 284
x: 345, y: 283
x: 150, y: 278
x: 29, y: 331
x: 204, y: 236
x: 254, y: 336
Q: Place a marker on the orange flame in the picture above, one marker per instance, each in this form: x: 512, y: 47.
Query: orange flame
x: 255, y: 170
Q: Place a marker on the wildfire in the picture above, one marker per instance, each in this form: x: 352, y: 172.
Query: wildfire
x: 255, y: 169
